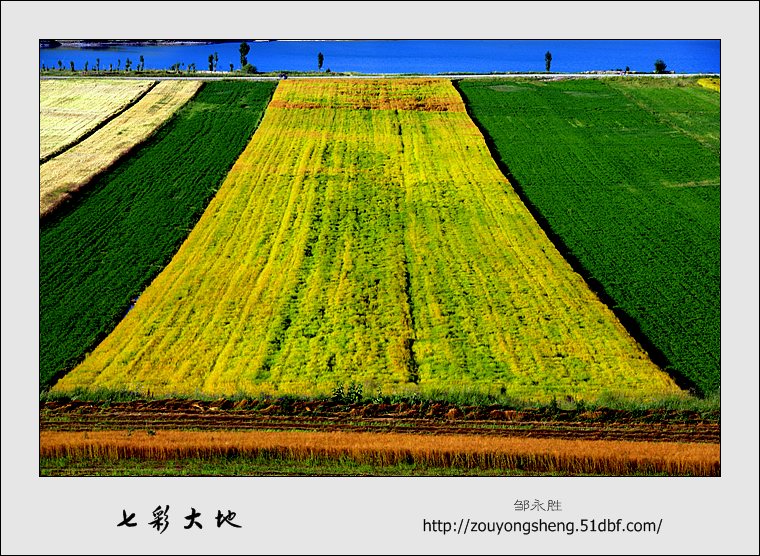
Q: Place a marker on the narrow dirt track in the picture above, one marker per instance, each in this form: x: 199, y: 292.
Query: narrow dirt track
x: 324, y: 417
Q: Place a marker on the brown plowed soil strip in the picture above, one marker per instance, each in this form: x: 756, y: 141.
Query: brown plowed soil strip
x: 323, y: 416
x: 529, y: 454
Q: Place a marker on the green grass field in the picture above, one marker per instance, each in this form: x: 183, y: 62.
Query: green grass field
x: 105, y: 247
x: 256, y: 467
x: 625, y: 173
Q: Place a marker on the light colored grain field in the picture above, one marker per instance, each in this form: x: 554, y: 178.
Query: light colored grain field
x: 601, y: 457
x: 76, y: 167
x: 366, y: 237
x: 70, y: 108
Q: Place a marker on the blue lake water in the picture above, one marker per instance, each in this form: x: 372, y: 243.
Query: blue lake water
x: 415, y: 56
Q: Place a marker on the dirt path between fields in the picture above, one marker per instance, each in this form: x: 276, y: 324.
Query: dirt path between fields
x: 436, y: 419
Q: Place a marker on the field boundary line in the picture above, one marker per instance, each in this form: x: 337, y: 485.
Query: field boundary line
x: 71, y: 196
x: 62, y: 149
x: 597, y: 288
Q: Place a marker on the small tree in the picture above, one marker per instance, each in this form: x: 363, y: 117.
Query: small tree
x: 320, y: 61
x: 97, y: 64
x: 118, y: 64
x: 248, y: 68
x: 216, y: 60
x: 85, y: 66
x: 659, y: 66
x: 141, y: 65
x: 210, y: 62
x: 548, y: 60
x: 232, y: 68
x: 244, y: 50
x: 127, y: 64
x: 60, y: 65
x: 110, y: 66
x: 71, y: 64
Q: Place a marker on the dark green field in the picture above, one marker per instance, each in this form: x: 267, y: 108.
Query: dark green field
x: 105, y: 247
x: 625, y: 176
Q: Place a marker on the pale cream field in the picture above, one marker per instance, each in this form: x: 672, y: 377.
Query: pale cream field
x: 71, y: 108
x: 76, y: 167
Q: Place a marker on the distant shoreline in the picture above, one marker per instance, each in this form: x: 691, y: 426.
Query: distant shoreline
x: 161, y: 75
x: 108, y: 43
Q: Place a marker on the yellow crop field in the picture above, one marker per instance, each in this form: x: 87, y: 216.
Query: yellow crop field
x: 710, y: 83
x: 366, y: 235
x: 70, y: 108
x: 74, y: 168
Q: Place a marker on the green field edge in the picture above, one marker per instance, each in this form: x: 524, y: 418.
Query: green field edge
x: 632, y: 325
x: 74, y: 201
x: 342, y: 398
x: 63, y: 148
x: 258, y: 466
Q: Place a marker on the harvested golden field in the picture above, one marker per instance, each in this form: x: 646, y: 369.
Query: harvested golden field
x: 366, y: 235
x: 76, y: 167
x: 383, y: 449
x: 70, y: 108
